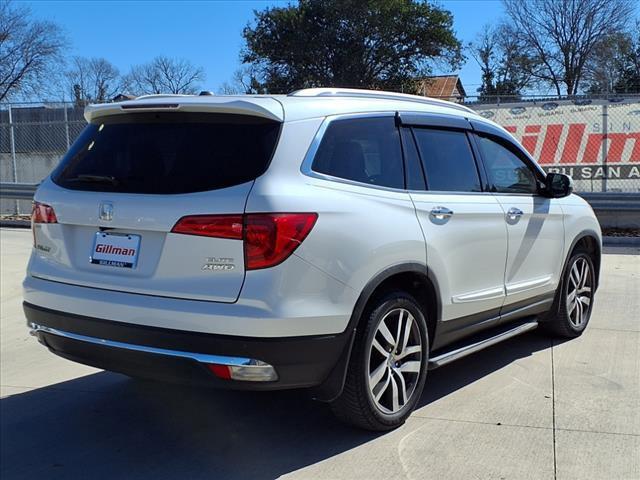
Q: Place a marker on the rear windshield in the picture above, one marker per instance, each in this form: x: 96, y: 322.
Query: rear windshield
x: 164, y: 153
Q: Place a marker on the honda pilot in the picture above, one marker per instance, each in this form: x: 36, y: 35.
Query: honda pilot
x: 342, y: 241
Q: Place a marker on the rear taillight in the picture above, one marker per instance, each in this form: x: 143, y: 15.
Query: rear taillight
x: 220, y: 371
x: 269, y: 238
x: 217, y: 226
x: 41, y: 213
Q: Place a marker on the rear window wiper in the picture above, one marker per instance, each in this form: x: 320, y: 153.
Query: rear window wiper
x: 87, y: 178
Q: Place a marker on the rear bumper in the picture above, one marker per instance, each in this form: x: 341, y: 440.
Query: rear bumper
x: 270, y: 308
x: 181, y: 356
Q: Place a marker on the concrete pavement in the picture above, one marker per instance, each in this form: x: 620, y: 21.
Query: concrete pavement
x: 528, y: 408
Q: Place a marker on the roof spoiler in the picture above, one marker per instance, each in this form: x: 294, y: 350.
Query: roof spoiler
x: 267, y: 108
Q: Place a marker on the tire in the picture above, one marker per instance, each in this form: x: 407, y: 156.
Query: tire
x: 384, y: 406
x: 573, y: 304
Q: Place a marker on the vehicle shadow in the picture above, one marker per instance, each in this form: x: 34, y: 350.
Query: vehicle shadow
x: 446, y: 380
x: 109, y: 426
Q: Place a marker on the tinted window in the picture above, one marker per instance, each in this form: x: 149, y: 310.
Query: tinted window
x: 415, y: 175
x: 362, y: 149
x: 448, y: 160
x: 506, y: 172
x: 168, y: 153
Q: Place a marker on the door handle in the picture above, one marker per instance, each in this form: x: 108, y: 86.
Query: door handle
x: 514, y: 214
x: 441, y: 213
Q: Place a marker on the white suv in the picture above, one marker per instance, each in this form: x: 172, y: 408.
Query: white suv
x: 345, y: 241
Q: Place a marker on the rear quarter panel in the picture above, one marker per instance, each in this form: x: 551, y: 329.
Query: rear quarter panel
x: 360, y: 231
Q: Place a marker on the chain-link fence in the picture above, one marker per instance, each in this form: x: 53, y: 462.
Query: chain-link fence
x: 33, y: 137
x: 594, y: 139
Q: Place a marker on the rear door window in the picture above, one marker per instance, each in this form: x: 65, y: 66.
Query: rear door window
x: 448, y: 160
x: 168, y: 153
x: 365, y: 150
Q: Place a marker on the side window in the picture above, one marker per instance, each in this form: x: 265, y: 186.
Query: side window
x: 448, y: 160
x: 365, y: 150
x: 506, y: 172
x: 415, y: 175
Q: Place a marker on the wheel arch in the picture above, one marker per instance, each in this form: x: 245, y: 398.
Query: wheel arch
x: 412, y: 277
x: 407, y: 276
x: 590, y: 241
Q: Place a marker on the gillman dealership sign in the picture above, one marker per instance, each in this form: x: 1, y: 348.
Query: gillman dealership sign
x: 590, y: 140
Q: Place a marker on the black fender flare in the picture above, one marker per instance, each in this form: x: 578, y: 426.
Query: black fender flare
x: 332, y: 386
x: 584, y: 234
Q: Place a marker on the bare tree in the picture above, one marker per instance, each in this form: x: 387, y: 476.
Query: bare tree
x: 165, y: 75
x: 630, y: 81
x: 29, y: 51
x: 93, y: 80
x: 244, y: 81
x: 507, y: 68
x: 605, y: 67
x: 615, y: 64
x: 562, y: 34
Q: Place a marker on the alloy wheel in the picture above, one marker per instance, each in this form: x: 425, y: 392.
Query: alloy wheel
x: 395, y: 361
x: 579, y: 292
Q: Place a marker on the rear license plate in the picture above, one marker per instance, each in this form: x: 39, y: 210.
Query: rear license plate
x: 115, y: 250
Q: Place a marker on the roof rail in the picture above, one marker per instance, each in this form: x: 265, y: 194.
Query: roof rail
x: 379, y: 94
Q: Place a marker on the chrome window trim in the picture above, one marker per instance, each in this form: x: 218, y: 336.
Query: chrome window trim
x: 514, y: 194
x: 446, y: 192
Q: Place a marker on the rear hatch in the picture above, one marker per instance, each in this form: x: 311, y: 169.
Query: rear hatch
x: 126, y: 182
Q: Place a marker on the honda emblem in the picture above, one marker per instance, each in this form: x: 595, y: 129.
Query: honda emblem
x: 106, y: 211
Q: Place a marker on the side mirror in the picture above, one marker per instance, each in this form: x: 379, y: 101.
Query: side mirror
x: 558, y: 185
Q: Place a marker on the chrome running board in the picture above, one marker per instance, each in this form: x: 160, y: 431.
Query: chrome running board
x: 453, y: 355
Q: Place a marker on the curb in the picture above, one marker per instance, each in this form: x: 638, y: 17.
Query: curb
x: 621, y: 241
x: 15, y: 223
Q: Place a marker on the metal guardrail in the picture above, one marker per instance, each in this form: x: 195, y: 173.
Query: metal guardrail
x: 612, y: 201
x: 17, y: 191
